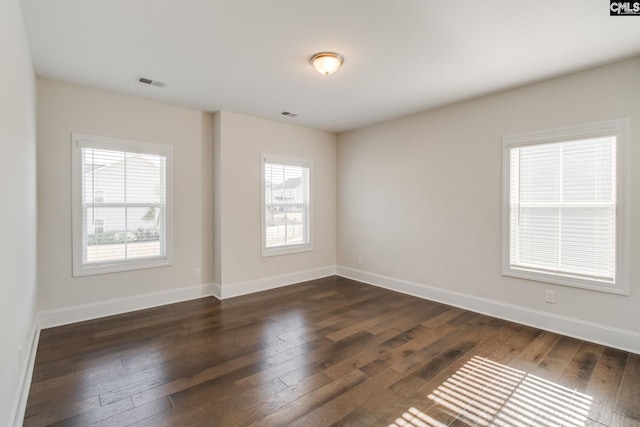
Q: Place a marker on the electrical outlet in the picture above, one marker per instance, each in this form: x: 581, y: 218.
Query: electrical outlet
x: 196, y: 273
x: 550, y: 297
x: 359, y: 260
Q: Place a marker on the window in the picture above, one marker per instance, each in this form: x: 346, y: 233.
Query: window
x: 565, y: 214
x: 286, y: 214
x: 132, y: 228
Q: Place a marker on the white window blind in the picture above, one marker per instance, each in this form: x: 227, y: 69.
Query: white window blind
x: 563, y: 208
x: 286, y: 215
x: 122, y: 205
x: 564, y: 222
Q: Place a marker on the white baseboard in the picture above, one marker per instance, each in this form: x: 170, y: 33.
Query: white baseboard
x: 217, y: 290
x: 79, y: 313
x: 26, y: 373
x: 613, y: 337
x: 258, y: 285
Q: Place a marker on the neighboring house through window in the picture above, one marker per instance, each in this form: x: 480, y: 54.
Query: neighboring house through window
x: 286, y: 214
x: 566, y: 217
x: 132, y: 228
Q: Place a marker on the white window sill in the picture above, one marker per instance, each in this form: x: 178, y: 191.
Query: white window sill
x: 285, y: 250
x: 567, y: 280
x: 116, y: 267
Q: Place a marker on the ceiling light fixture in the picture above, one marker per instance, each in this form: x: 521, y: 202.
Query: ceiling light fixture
x: 326, y: 62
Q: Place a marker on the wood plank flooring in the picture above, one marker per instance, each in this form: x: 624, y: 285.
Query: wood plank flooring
x: 330, y: 352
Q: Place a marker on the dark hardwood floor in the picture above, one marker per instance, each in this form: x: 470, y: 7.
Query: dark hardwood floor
x: 330, y: 352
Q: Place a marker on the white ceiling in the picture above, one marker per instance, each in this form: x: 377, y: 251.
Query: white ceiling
x: 251, y: 56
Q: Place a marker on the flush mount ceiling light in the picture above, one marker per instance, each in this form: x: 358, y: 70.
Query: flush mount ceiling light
x: 326, y: 62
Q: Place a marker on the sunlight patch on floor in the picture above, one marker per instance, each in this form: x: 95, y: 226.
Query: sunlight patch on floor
x: 487, y: 393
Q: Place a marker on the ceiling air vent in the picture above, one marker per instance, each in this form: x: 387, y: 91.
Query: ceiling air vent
x: 289, y: 114
x: 151, y: 82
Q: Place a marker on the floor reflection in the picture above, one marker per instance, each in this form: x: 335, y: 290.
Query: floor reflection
x: 487, y: 393
x: 291, y: 354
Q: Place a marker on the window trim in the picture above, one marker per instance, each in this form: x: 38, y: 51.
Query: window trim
x: 79, y: 141
x: 290, y: 249
x: 618, y: 128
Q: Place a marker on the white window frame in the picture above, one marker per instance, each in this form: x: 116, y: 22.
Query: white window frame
x: 80, y: 141
x: 288, y: 249
x: 618, y: 128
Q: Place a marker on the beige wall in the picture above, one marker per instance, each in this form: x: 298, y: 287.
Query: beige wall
x: 18, y: 213
x: 239, y: 142
x: 419, y: 198
x: 63, y: 109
